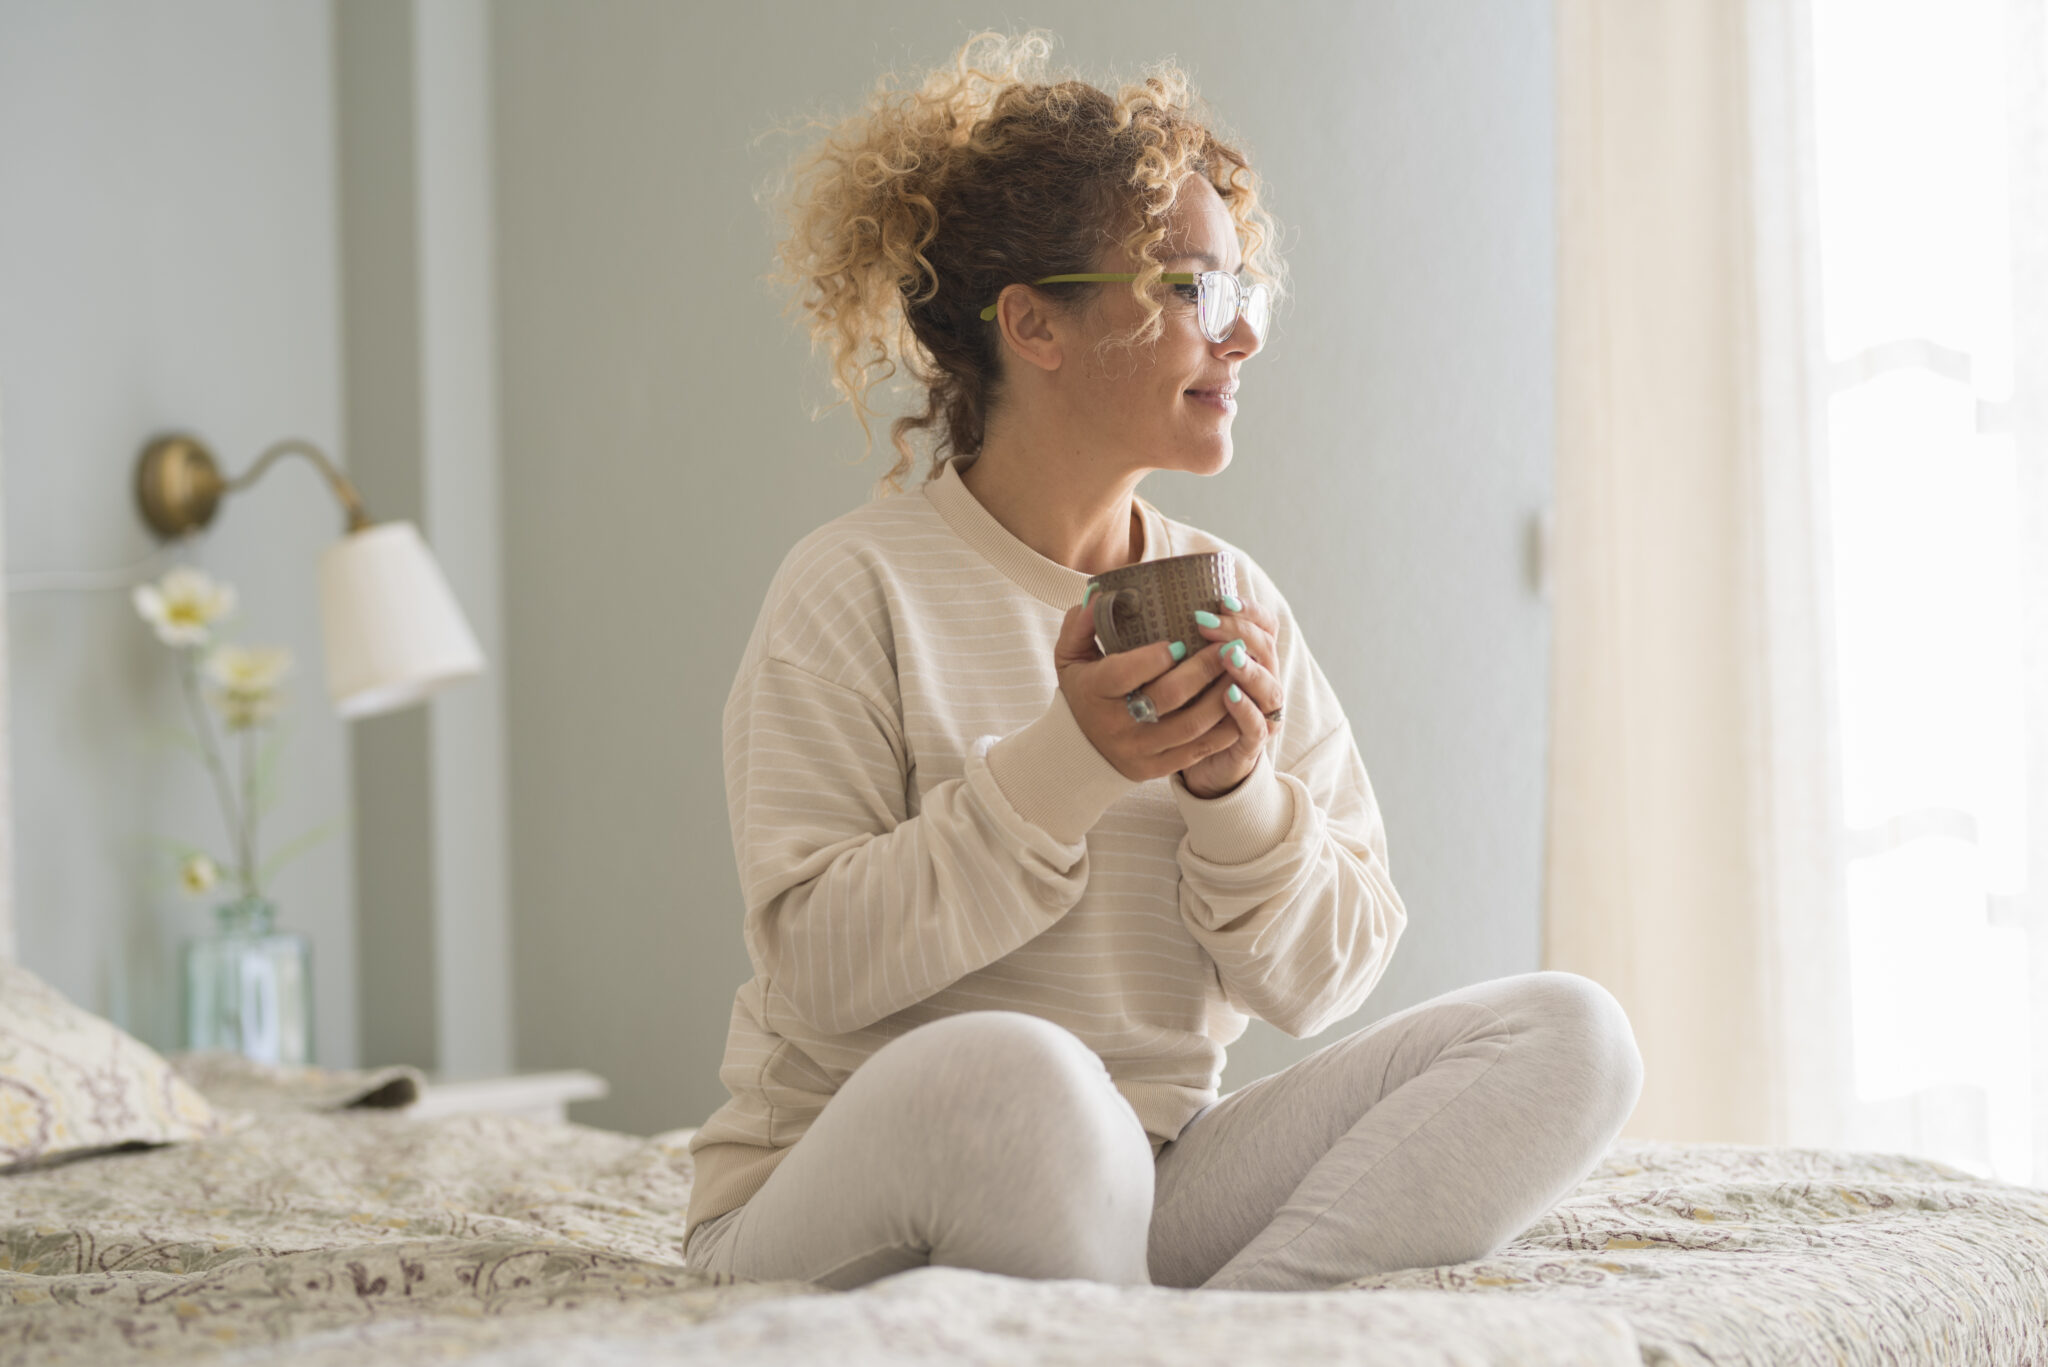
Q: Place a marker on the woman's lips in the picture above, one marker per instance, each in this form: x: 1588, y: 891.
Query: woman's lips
x: 1223, y: 401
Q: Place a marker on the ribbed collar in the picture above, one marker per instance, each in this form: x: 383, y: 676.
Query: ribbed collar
x: 1046, y: 580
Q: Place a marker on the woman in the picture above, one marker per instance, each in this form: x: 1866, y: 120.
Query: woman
x: 1002, y: 929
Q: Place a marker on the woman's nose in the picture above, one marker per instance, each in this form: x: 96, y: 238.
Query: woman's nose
x: 1243, y: 340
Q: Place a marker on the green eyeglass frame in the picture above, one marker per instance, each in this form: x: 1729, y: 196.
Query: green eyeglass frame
x: 1254, y: 300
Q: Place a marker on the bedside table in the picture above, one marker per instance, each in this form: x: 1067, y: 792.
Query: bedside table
x: 542, y: 1096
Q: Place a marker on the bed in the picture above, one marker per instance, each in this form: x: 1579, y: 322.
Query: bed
x: 326, y: 1224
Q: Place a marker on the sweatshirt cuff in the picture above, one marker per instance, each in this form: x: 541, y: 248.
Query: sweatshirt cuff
x: 1054, y: 776
x: 1242, y: 824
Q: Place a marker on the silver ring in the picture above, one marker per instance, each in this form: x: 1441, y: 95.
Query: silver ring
x: 1140, y: 706
x: 1274, y: 715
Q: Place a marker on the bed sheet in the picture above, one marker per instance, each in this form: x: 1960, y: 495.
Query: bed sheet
x: 366, y: 1235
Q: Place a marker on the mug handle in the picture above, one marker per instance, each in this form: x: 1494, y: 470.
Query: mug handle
x: 1104, y: 607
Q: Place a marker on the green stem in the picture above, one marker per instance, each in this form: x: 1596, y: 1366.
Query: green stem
x: 249, y: 811
x: 188, y: 679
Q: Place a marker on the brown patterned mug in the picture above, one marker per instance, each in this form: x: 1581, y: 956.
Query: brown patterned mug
x: 1156, y: 600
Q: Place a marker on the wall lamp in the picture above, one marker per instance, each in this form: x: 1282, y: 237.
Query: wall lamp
x: 390, y: 627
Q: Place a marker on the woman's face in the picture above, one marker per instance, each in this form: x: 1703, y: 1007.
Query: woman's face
x: 1167, y: 404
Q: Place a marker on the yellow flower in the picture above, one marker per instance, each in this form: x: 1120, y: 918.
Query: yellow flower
x: 198, y: 873
x: 248, y: 669
x: 184, y: 605
x: 247, y: 679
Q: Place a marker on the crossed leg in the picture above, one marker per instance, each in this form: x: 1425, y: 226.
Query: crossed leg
x: 993, y: 1140
x: 1432, y: 1136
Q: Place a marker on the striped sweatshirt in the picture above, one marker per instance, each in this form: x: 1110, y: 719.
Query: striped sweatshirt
x: 923, y: 828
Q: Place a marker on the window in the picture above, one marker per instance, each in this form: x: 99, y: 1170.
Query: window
x: 1927, y: 119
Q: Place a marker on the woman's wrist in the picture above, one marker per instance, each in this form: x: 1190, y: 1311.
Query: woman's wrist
x: 1054, y: 776
x: 1242, y: 824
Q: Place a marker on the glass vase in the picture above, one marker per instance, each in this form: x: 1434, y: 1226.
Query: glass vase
x: 249, y: 986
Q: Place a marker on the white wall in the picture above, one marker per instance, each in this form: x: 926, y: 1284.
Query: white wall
x: 170, y: 255
x: 256, y: 220
x: 1393, y: 446
x: 167, y: 260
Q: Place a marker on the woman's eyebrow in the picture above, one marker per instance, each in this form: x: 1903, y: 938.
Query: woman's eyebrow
x: 1211, y: 262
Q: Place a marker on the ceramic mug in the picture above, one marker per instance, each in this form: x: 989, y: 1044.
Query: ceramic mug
x: 1156, y: 600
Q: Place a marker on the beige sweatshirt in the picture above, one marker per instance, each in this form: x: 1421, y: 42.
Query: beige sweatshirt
x: 922, y: 828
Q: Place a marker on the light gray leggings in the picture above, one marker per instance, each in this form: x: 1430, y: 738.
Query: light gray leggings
x: 995, y: 1140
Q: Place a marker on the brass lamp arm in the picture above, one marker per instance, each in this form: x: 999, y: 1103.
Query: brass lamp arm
x: 178, y: 485
x: 350, y: 500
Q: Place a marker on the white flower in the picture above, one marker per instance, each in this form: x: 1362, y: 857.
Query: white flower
x: 184, y: 605
x: 198, y: 873
x: 248, y: 679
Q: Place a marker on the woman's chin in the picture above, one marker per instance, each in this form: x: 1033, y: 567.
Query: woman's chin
x: 1208, y: 458
x: 1197, y: 454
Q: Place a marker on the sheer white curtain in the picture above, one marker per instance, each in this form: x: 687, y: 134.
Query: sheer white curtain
x: 1930, y: 175
x: 1799, y: 754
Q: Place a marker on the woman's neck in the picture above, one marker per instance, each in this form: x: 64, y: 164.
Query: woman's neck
x: 1082, y: 519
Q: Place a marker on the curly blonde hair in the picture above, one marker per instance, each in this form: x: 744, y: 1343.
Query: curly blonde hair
x: 912, y: 215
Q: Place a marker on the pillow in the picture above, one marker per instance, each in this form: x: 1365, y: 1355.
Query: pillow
x: 72, y: 1083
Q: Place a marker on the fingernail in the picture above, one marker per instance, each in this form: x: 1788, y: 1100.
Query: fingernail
x: 1208, y: 619
x: 1235, y: 692
x: 1230, y: 601
x: 1179, y: 650
x: 1086, y: 596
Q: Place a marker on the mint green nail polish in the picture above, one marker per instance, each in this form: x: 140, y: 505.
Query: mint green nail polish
x: 1208, y: 619
x: 1179, y: 651
x: 1086, y: 596
x: 1230, y: 601
x: 1235, y: 692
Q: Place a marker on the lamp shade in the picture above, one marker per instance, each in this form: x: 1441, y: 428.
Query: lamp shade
x: 392, y: 630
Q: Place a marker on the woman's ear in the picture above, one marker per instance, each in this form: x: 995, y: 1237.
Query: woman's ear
x: 1030, y: 329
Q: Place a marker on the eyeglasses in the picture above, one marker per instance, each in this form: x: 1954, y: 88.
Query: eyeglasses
x: 1220, y: 299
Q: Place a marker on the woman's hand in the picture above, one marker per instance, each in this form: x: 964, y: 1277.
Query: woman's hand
x: 1194, y: 721
x: 1209, y: 739
x: 1254, y: 668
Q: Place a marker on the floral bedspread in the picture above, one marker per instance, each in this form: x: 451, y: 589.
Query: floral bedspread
x: 367, y: 1235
